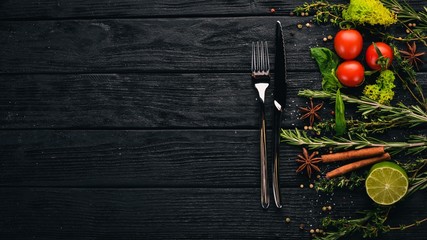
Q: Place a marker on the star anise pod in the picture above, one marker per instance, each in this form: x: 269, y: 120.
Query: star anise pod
x: 308, y: 162
x: 311, y: 112
x: 412, y: 56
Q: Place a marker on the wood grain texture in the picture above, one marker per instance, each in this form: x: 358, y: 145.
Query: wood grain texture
x: 227, y: 158
x: 56, y: 9
x: 140, y: 100
x: 48, y: 9
x: 182, y: 44
x: 151, y: 45
x: 200, y: 100
x: 195, y: 213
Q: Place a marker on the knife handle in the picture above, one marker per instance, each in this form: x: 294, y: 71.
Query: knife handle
x: 265, y: 199
x: 276, y: 156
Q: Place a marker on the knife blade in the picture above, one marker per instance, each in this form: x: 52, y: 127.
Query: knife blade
x: 279, y: 94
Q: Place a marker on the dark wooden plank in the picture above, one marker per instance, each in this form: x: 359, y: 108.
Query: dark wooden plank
x: 186, y: 44
x: 138, y: 101
x: 48, y: 9
x: 212, y: 100
x: 39, y: 213
x: 137, y: 158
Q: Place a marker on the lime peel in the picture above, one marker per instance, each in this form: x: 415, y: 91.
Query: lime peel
x: 386, y: 183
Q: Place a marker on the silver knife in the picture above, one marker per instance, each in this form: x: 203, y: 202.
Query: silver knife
x: 279, y: 104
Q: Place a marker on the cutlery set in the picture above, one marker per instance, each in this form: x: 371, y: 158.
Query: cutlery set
x: 260, y: 68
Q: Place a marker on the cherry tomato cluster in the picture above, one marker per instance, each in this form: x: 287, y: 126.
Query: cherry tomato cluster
x: 348, y: 44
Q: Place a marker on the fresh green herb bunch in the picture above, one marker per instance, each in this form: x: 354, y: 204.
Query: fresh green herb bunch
x: 370, y: 12
x: 322, y: 11
x: 382, y: 91
x: 351, y: 182
x: 369, y: 225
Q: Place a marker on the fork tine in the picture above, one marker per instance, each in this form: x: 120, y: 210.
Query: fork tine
x: 267, y: 62
x: 261, y: 56
x: 253, y: 57
x: 258, y: 57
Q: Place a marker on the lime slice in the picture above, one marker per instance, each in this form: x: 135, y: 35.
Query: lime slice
x: 386, y: 183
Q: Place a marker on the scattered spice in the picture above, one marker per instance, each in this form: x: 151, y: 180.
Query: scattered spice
x: 312, y: 231
x: 329, y: 208
x: 308, y: 162
x: 412, y: 56
x: 311, y: 185
x: 311, y: 112
x: 325, y: 39
x: 272, y: 10
x: 324, y: 208
x: 356, y: 165
x: 330, y: 37
x: 301, y: 186
x: 288, y: 220
x: 308, y: 25
x: 299, y: 26
x: 353, y: 154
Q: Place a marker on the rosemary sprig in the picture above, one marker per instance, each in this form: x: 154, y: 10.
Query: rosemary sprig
x: 414, y: 145
x: 405, y: 116
x: 406, y: 13
x: 358, y: 126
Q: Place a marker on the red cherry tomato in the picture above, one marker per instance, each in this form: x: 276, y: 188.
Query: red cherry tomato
x: 348, y: 44
x: 372, y: 56
x: 351, y: 73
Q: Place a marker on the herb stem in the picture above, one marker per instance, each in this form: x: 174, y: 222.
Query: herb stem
x: 403, y: 227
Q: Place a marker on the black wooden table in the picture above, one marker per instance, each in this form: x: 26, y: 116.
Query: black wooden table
x: 137, y: 120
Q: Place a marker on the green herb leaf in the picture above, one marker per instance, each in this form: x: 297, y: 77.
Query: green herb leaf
x: 327, y: 62
x: 340, y: 123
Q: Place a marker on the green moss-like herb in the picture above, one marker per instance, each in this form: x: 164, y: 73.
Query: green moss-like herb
x: 370, y: 12
x: 382, y: 91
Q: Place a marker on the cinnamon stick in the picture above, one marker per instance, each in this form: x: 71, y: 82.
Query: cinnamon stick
x: 356, y: 165
x: 353, y: 154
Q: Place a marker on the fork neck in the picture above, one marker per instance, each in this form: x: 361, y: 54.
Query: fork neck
x: 261, y: 87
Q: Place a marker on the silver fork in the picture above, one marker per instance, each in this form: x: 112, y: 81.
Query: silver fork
x: 260, y: 68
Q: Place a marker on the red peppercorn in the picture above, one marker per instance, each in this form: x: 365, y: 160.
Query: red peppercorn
x: 272, y: 10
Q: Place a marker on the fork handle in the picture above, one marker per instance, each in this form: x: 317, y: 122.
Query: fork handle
x: 265, y: 199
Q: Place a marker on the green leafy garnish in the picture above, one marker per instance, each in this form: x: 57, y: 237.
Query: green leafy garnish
x: 382, y: 91
x: 327, y: 62
x: 340, y: 123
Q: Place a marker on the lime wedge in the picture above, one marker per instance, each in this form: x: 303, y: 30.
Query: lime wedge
x: 386, y: 183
